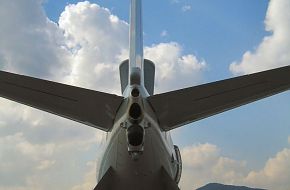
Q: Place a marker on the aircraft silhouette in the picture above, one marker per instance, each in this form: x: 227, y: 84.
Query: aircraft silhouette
x: 139, y: 151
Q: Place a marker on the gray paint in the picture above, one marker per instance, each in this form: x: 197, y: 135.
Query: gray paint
x: 184, y: 106
x: 136, y: 37
x: 96, y: 109
x: 124, y: 74
x: 154, y: 165
x: 149, y: 76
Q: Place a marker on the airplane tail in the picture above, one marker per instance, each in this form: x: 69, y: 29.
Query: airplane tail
x: 136, y: 59
x: 149, y: 75
x: 137, y: 70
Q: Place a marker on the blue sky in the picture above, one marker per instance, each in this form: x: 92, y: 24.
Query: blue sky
x: 225, y: 38
x: 219, y: 32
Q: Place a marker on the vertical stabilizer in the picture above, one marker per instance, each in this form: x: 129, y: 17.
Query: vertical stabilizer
x: 136, y: 43
x: 136, y: 70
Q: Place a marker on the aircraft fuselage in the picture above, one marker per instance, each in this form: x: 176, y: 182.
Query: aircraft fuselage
x: 157, y: 151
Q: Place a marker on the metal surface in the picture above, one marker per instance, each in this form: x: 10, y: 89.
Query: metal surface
x: 180, y: 107
x: 96, y: 109
x: 158, y: 166
x: 149, y: 76
x: 154, y: 169
x: 136, y: 37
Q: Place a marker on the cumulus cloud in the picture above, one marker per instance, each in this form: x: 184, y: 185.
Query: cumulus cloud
x: 204, y: 163
x: 274, y: 50
x: 39, y: 150
x: 164, y: 33
x: 97, y: 39
x: 43, y: 166
x: 173, y: 69
x: 30, y: 43
x: 89, y: 180
x: 275, y: 174
x: 186, y: 8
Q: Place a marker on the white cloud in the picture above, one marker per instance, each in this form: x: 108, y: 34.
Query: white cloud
x: 97, y: 38
x: 27, y: 162
x: 275, y: 174
x: 204, y: 163
x: 274, y: 50
x: 45, y: 164
x: 171, y: 65
x: 195, y: 156
x: 89, y: 29
x: 33, y: 141
x: 190, y: 63
x: 164, y: 33
x: 40, y: 151
x: 89, y: 180
x: 29, y: 42
x: 186, y: 8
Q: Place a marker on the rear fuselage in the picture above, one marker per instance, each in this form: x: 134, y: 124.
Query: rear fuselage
x: 157, y: 149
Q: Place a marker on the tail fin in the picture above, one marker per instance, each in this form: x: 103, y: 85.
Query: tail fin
x: 149, y: 75
x: 136, y: 42
x: 124, y: 75
x: 136, y: 70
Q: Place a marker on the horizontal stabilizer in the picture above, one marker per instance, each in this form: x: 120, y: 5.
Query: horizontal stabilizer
x: 180, y: 107
x: 89, y: 107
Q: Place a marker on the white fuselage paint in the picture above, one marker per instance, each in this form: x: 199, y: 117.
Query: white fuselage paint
x: 158, y: 148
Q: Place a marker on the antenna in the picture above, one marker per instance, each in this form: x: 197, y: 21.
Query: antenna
x: 136, y: 75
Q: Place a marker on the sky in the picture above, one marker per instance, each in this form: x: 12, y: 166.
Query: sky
x: 191, y: 42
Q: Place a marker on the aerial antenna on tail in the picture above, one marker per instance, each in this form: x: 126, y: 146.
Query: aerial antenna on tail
x: 136, y: 75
